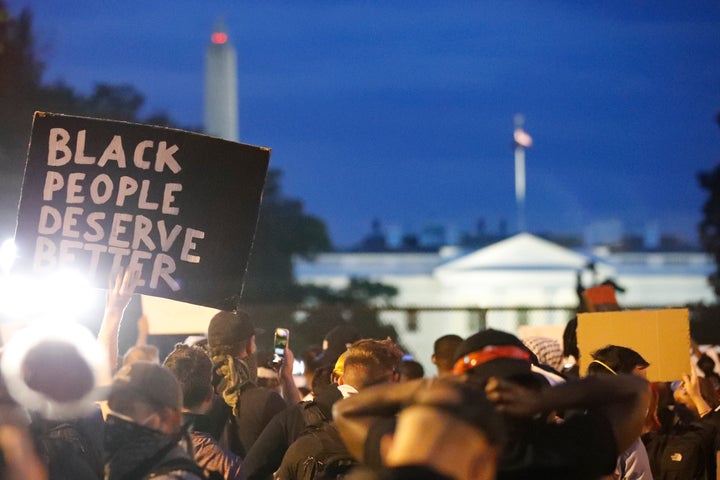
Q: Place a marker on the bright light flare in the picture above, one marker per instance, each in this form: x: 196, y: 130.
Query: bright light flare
x: 60, y: 297
x: 8, y: 253
x: 85, y: 347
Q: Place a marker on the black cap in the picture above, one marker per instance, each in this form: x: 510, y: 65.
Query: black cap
x: 147, y: 382
x: 338, y: 339
x: 227, y: 329
x: 498, y: 367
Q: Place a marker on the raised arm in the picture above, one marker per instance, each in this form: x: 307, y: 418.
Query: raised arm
x: 143, y: 329
x: 118, y: 297
x: 355, y: 415
x: 622, y: 399
x: 290, y: 392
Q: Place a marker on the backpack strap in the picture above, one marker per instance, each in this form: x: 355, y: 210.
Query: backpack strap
x: 183, y: 464
x: 313, y: 414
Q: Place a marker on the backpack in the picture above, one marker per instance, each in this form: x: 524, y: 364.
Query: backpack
x: 67, y: 451
x: 182, y: 464
x: 313, y: 415
x: 333, y: 461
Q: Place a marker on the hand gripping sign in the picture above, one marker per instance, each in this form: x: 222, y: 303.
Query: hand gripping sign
x: 180, y: 207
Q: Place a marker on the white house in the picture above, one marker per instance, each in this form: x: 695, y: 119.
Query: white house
x: 522, y: 280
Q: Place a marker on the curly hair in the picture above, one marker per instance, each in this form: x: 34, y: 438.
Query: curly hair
x: 193, y: 369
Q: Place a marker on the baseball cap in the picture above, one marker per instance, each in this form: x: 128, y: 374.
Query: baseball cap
x: 146, y: 382
x: 227, y: 329
x: 492, y: 353
x: 336, y: 342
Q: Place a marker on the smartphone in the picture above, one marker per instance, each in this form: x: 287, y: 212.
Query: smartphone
x: 282, y: 335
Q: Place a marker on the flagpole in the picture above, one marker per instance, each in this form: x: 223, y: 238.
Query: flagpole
x: 521, y: 141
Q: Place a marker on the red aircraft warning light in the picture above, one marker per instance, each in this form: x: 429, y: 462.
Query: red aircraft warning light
x: 219, y: 38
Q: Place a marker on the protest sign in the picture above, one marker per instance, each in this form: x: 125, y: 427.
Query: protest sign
x: 168, y: 317
x: 662, y: 337
x: 177, y: 206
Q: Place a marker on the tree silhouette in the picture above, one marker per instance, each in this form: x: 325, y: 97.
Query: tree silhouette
x: 22, y: 92
x: 710, y: 224
x: 284, y: 229
x: 271, y: 293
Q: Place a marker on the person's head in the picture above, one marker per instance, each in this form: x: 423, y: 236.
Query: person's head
x: 336, y: 341
x: 614, y: 359
x: 706, y: 365
x: 547, y: 350
x: 411, y: 370
x: 371, y: 362
x: 54, y: 370
x: 231, y: 333
x: 337, y: 370
x: 494, y: 353
x: 450, y: 427
x: 231, y: 343
x: 570, y: 343
x: 57, y: 370
x: 147, y: 394
x: 193, y: 369
x: 682, y: 397
x: 147, y: 353
x: 310, y: 362
x: 444, y: 353
x: 322, y: 378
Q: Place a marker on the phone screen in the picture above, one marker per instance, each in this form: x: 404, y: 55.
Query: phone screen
x: 281, y: 341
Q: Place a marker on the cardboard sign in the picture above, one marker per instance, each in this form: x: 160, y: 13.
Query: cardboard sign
x: 662, y: 337
x: 178, y: 206
x: 166, y: 317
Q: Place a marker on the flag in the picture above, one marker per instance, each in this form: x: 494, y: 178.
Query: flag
x: 522, y: 138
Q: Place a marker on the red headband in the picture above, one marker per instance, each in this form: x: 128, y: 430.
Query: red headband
x: 473, y: 359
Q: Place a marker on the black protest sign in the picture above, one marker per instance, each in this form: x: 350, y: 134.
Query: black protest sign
x: 178, y: 206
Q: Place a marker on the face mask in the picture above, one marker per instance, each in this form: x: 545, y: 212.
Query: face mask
x: 121, y: 430
x: 129, y: 446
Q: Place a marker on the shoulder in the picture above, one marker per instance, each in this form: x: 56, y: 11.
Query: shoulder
x: 261, y: 395
x: 305, y: 444
x: 208, y: 451
x: 177, y: 465
x: 634, y: 463
x: 176, y: 475
x: 583, y: 444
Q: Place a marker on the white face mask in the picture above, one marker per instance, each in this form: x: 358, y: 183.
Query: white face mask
x: 128, y: 418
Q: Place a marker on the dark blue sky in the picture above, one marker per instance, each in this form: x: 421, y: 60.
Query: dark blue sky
x: 403, y: 110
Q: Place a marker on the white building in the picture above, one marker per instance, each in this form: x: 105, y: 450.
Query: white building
x: 514, y: 279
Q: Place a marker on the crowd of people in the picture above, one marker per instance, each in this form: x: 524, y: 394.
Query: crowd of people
x: 496, y: 407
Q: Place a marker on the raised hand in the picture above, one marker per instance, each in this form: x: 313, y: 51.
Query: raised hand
x: 511, y: 398
x: 121, y: 288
